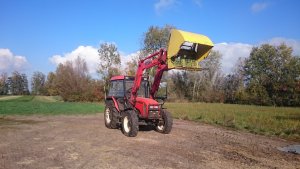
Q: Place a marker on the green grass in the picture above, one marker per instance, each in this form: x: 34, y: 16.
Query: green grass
x: 29, y: 105
x: 280, y: 121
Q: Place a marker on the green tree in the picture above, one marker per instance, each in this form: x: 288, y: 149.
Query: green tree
x: 72, y: 80
x: 38, y: 83
x: 25, y: 84
x: 3, y: 84
x: 50, y: 85
x: 156, y: 38
x: 233, y: 85
x: 207, y: 84
x: 110, y: 61
x: 272, y: 75
x: 230, y: 86
x: 180, y: 85
x: 18, y: 84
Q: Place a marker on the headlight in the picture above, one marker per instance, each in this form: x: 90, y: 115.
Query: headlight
x: 153, y: 107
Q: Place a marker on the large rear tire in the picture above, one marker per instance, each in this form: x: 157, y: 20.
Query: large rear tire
x: 130, y: 125
x: 165, y: 125
x: 110, y: 117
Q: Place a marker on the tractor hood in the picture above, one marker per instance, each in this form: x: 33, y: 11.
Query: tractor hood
x: 146, y: 101
x: 143, y: 104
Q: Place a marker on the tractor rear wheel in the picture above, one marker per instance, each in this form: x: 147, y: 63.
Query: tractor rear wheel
x: 130, y: 125
x: 110, y: 117
x: 165, y: 125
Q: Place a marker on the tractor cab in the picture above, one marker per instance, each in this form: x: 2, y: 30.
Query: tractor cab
x: 119, y: 93
x: 120, y: 87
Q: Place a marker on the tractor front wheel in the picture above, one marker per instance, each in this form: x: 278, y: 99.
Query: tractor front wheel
x: 165, y: 125
x: 130, y: 125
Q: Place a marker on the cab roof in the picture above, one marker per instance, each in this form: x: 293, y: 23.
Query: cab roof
x: 122, y: 77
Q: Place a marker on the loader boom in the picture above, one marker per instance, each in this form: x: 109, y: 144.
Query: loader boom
x: 185, y: 49
x: 161, y: 62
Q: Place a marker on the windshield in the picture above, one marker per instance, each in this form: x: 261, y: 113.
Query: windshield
x: 143, y: 90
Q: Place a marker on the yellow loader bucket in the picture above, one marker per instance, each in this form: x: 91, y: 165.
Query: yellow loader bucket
x: 186, y: 50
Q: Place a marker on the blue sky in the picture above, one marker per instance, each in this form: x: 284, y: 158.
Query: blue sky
x: 37, y: 35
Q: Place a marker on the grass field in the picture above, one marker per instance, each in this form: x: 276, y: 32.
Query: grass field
x: 29, y: 105
x: 281, y: 121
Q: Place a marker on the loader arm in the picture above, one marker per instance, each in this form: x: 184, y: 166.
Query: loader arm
x: 158, y: 59
x: 185, y: 51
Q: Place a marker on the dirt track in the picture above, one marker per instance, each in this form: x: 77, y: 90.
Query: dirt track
x: 57, y: 142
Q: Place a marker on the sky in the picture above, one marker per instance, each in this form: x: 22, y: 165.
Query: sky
x: 38, y: 35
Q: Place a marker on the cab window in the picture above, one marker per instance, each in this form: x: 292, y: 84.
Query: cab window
x: 116, y: 88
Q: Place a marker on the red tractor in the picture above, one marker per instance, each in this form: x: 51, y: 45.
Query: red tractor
x: 132, y: 101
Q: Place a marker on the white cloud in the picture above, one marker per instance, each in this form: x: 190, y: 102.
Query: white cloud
x: 88, y: 53
x: 162, y: 5
x: 257, y: 7
x: 231, y: 52
x: 10, y: 62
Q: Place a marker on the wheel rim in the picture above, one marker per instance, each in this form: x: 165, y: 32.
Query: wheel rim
x: 107, y: 116
x: 160, y: 126
x: 126, y: 124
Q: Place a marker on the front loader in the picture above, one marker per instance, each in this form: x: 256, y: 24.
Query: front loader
x: 132, y: 101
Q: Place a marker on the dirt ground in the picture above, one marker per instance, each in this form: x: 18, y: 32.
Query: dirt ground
x: 58, y: 142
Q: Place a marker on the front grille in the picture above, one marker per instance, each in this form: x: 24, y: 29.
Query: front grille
x: 153, y: 114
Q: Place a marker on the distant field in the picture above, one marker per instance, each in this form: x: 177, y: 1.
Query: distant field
x: 28, y: 105
x: 280, y: 121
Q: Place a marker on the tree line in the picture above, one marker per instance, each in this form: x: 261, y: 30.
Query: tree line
x: 270, y: 75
